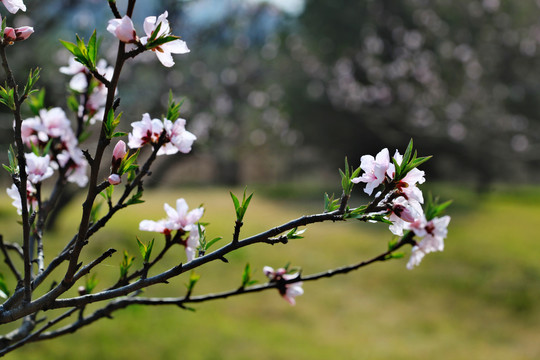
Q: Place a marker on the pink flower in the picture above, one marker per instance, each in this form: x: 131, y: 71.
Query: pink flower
x: 14, y: 5
x: 163, y: 51
x: 123, y: 29
x: 290, y: 290
x: 407, y: 186
x: 148, y: 130
x: 75, y: 163
x: 434, y: 233
x: 145, y: 131
x: 179, y: 138
x: 17, y: 34
x: 56, y: 123
x: 38, y: 168
x: 374, y: 170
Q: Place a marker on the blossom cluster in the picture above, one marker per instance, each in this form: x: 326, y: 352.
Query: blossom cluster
x: 149, y: 131
x: 289, y: 290
x: 51, y: 130
x: 83, y: 83
x: 403, y: 205
x: 184, y: 222
x: 15, y: 34
x: 155, y: 28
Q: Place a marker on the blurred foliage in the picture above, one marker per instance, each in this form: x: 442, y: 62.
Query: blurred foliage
x: 481, y: 292
x: 272, y: 96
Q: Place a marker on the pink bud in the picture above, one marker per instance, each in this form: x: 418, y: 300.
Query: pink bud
x: 24, y: 32
x: 123, y: 29
x: 9, y: 34
x: 17, y: 34
x: 118, y: 154
x: 119, y: 150
x: 114, y: 179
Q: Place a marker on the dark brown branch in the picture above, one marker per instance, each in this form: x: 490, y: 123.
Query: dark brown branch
x: 35, y: 336
x: 21, y: 184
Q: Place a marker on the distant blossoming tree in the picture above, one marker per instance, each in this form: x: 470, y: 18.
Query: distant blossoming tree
x: 48, y: 148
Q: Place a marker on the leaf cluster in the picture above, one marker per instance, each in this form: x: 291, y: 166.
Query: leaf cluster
x: 409, y: 162
x: 241, y: 209
x: 83, y: 53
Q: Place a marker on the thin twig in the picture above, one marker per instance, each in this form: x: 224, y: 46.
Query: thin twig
x: 21, y: 184
x: 7, y: 260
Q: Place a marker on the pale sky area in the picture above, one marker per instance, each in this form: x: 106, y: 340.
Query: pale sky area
x: 294, y: 7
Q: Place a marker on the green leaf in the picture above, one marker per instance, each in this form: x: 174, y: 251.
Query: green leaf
x: 126, y: 263
x: 356, y: 213
x: 135, y: 199
x: 7, y: 97
x: 91, y: 283
x: 4, y: 291
x: 193, y: 279
x: 235, y: 201
x: 330, y: 204
x: 73, y: 103
x: 394, y: 255
x: 37, y: 102
x: 33, y: 77
x: 145, y: 249
x: 3, y: 29
x: 408, y: 153
x: 95, y: 211
x: 173, y: 109
x: 295, y: 234
x: 128, y: 163
x: 213, y: 241
x: 92, y: 49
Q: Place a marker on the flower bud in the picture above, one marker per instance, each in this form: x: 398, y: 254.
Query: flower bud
x: 123, y: 29
x: 119, y: 152
x: 114, y: 179
x: 17, y: 34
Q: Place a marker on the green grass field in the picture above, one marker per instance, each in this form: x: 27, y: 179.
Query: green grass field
x: 479, y: 299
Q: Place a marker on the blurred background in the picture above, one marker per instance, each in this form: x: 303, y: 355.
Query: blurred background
x: 278, y: 93
x: 281, y: 91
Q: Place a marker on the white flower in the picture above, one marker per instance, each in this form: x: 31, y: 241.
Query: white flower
x: 163, y: 51
x: 154, y: 226
x: 180, y: 218
x: 407, y: 185
x: 145, y: 131
x: 179, y: 138
x: 13, y: 192
x: 14, y: 5
x: 290, y: 290
x: 434, y: 233
x: 192, y: 243
x: 374, y: 170
x: 38, y: 168
x: 404, y: 214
